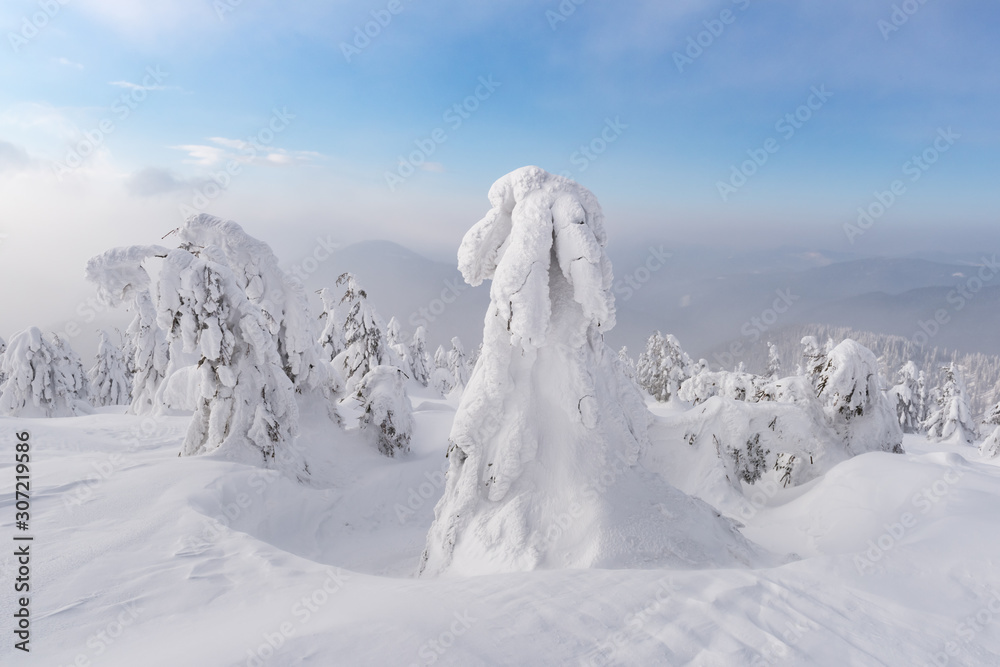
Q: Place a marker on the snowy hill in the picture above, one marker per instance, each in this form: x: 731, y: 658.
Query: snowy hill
x: 146, y: 558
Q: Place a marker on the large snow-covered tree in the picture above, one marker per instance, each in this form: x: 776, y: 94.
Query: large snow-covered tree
x: 420, y: 361
x: 386, y: 415
x: 549, y: 426
x: 109, y: 377
x: 43, y: 378
x: 906, y: 395
x: 280, y: 297
x: 121, y: 278
x: 952, y: 419
x: 246, y: 405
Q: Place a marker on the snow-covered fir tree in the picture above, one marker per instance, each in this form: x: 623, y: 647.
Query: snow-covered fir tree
x: 364, y: 334
x: 386, y: 414
x: 278, y: 295
x: 246, y: 405
x: 331, y: 338
x: 420, y: 361
x: 663, y: 366
x: 442, y: 379
x: 3, y: 348
x: 68, y: 375
x: 952, y: 419
x: 773, y: 362
x: 41, y: 378
x: 458, y: 363
x: 906, y: 394
x: 121, y: 278
x: 627, y: 363
x: 990, y: 448
x: 848, y: 385
x: 401, y: 351
x: 547, y: 409
x: 813, y: 360
x: 110, y: 381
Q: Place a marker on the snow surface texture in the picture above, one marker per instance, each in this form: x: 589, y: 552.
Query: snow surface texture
x: 153, y: 560
x: 546, y: 440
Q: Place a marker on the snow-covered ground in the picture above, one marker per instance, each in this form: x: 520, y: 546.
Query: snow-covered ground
x: 145, y: 558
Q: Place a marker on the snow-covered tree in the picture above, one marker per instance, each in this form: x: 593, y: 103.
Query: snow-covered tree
x: 41, y: 378
x: 990, y: 448
x: 848, y: 385
x: 122, y: 279
x: 246, y: 405
x: 952, y: 420
x: 394, y: 338
x: 331, y: 339
x: 420, y: 361
x: 906, y: 395
x: 813, y: 360
x: 3, y: 348
x: 547, y: 412
x: 663, y: 366
x: 458, y: 363
x: 773, y: 362
x: 364, y: 334
x: 68, y: 375
x: 278, y: 295
x: 109, y: 378
x: 442, y: 379
x: 386, y: 414
x: 627, y: 363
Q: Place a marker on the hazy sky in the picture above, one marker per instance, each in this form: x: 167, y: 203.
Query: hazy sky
x: 116, y: 115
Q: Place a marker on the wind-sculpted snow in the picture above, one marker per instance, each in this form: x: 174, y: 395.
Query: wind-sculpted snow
x: 549, y: 430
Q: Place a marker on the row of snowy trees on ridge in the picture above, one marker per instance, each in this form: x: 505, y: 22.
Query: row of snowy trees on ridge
x: 941, y: 412
x: 223, y: 317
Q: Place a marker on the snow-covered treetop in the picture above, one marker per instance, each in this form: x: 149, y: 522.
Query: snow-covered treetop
x: 119, y: 273
x: 535, y: 216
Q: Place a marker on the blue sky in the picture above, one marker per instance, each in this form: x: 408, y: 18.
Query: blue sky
x: 229, y: 65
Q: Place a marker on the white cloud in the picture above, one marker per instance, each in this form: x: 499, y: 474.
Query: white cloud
x: 67, y: 63
x: 224, y: 150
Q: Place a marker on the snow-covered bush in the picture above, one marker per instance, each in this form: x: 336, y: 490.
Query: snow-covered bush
x: 546, y: 438
x: 43, y: 378
x: 420, y: 361
x: 122, y: 279
x: 952, y: 420
x: 109, y: 378
x: 386, y: 415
